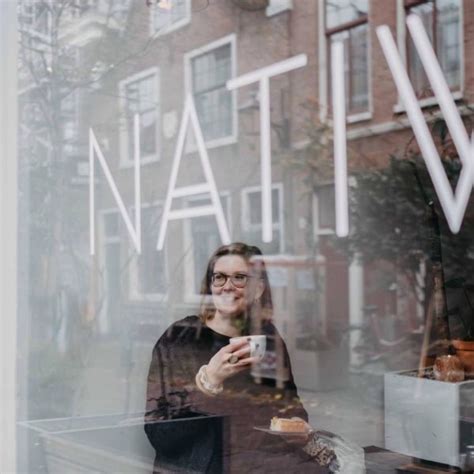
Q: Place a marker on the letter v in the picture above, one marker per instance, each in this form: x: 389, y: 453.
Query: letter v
x: 453, y: 204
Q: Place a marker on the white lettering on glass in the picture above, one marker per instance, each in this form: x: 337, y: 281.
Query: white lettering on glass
x: 340, y: 144
x: 135, y: 234
x: 263, y: 76
x: 189, y: 113
x: 453, y: 204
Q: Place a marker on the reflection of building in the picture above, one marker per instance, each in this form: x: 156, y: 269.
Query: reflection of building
x: 144, y: 61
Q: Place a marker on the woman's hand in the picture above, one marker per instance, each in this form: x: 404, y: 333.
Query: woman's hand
x: 219, y: 368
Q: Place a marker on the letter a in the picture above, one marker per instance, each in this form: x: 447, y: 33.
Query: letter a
x: 189, y: 113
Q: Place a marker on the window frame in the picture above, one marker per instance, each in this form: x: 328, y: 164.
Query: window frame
x: 247, y: 226
x: 173, y: 26
x: 324, y: 63
x: 188, y: 88
x: 125, y: 161
x: 402, y: 34
x: 134, y: 295
x: 10, y: 364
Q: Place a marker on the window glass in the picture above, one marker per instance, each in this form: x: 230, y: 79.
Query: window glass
x: 123, y: 360
x: 213, y: 101
x: 345, y: 11
x: 356, y: 66
x: 326, y: 207
x: 441, y: 20
x: 347, y: 23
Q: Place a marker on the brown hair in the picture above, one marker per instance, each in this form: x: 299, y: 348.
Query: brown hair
x: 263, y: 308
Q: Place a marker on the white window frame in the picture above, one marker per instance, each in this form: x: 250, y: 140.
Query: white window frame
x: 188, y: 251
x: 401, y: 43
x: 9, y: 360
x: 317, y: 230
x: 188, y: 87
x: 125, y: 160
x: 249, y: 227
x: 133, y: 294
x: 173, y: 26
x: 323, y: 72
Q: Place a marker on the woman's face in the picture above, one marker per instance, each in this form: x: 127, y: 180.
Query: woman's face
x: 229, y: 299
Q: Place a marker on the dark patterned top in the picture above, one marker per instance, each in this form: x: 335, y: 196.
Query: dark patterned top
x: 178, y: 422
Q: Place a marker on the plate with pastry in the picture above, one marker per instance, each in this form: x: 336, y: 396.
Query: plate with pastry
x: 286, y: 427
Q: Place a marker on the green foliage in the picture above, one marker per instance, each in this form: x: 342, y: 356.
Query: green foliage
x: 391, y: 219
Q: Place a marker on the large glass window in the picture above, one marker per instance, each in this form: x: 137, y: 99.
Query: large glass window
x: 442, y: 22
x: 123, y: 356
x: 347, y: 21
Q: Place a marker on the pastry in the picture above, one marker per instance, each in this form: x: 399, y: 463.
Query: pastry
x: 294, y: 425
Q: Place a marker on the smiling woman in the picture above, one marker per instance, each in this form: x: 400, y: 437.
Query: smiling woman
x: 198, y: 370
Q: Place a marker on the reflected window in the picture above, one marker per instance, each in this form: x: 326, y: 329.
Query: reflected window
x: 70, y: 120
x: 140, y: 95
x: 347, y: 21
x: 252, y: 219
x: 35, y: 17
x: 148, y: 273
x: 110, y: 261
x: 169, y: 15
x: 324, y: 210
x: 210, y: 70
x: 203, y: 238
x: 442, y: 22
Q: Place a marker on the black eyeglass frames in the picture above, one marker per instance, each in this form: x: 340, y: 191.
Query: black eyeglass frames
x: 239, y: 280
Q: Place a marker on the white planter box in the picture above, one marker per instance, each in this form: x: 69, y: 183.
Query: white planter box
x: 104, y: 443
x: 427, y: 419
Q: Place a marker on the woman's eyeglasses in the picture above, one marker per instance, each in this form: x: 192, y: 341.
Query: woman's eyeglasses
x: 239, y: 280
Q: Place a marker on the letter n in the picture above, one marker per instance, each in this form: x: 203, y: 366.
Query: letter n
x: 94, y: 148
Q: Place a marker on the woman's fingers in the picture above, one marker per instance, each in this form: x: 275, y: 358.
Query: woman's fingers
x: 246, y: 361
x: 233, y: 346
x: 242, y: 352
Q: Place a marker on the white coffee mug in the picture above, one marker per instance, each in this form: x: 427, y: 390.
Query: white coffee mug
x: 257, y: 344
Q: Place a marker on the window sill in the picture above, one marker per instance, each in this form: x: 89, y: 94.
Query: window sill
x: 427, y: 102
x: 144, y: 161
x: 354, y: 118
x: 360, y: 117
